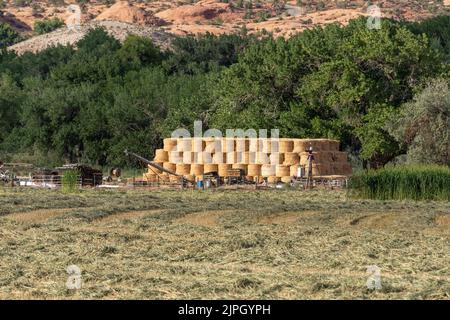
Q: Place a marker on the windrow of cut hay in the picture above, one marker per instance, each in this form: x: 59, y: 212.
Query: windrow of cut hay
x: 412, y: 182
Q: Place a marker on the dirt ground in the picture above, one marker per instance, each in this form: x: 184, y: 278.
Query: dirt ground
x: 280, y: 244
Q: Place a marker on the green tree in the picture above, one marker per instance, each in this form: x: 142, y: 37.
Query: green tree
x: 8, y: 36
x: 423, y: 125
x: 49, y: 25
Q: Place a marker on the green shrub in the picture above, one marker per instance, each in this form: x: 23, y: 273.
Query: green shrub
x: 69, y: 181
x: 46, y: 26
x: 413, y: 182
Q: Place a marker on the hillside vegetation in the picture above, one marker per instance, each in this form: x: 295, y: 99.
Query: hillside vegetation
x: 91, y: 101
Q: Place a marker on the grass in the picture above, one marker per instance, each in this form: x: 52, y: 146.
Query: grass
x: 220, y: 244
x: 402, y: 183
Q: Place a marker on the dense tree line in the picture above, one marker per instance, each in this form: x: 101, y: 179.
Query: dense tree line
x: 91, y: 101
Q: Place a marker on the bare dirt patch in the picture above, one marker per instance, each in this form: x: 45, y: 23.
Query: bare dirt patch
x: 128, y: 215
x: 443, y: 220
x: 37, y: 215
x: 204, y: 219
x: 286, y: 217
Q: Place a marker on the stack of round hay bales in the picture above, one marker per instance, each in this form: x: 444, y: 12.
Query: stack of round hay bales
x: 271, y: 159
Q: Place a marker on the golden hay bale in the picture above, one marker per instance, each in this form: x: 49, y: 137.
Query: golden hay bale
x: 347, y: 169
x: 264, y: 145
x: 253, y: 145
x: 228, y: 145
x: 262, y: 158
x: 231, y: 157
x: 268, y: 170
x: 164, y: 177
x: 223, y: 169
x: 300, y: 145
x: 150, y: 177
x: 286, y: 179
x: 219, y: 158
x: 175, y: 179
x: 161, y: 155
x: 207, y: 168
x: 320, y: 169
x: 170, y: 166
x: 294, y: 170
x: 338, y: 156
x: 334, y: 145
x: 189, y: 177
x: 282, y: 170
x: 322, y: 157
x: 242, y: 145
x: 249, y: 178
x: 291, y: 158
x: 170, y: 144
x: 254, y: 170
x: 285, y: 146
x: 198, y: 144
x: 204, y: 158
x: 153, y: 169
x: 183, y: 169
x: 197, y: 169
x: 189, y: 157
x: 276, y: 158
x: 213, y: 145
x: 273, y: 179
x: 240, y: 166
x: 175, y: 157
x: 247, y: 157
x: 184, y: 144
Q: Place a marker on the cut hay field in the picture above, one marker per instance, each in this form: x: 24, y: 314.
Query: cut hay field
x: 281, y: 244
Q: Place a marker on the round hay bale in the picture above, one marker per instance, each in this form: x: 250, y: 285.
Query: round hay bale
x: 198, y: 144
x: 228, y: 145
x: 175, y: 157
x: 153, y: 169
x: 264, y: 145
x: 219, y: 158
x: 207, y: 168
x: 276, y: 158
x: 204, y: 158
x: 242, y: 145
x: 231, y: 157
x: 184, y: 144
x: 170, y: 144
x: 339, y: 156
x: 164, y: 177
x: 291, y: 158
x: 190, y: 177
x: 213, y: 145
x: 249, y: 178
x: 254, y: 170
x: 150, y: 177
x: 273, y: 179
x: 183, y: 169
x: 347, y: 169
x: 268, y: 170
x: 285, y: 146
x: 170, y: 166
x: 197, y: 169
x: 294, y: 170
x: 253, y: 145
x: 189, y: 157
x: 241, y: 166
x: 282, y: 171
x: 320, y: 169
x: 334, y: 145
x: 223, y: 169
x: 175, y: 179
x: 286, y: 179
x: 300, y: 145
x: 161, y: 155
x: 247, y: 157
x: 262, y: 158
